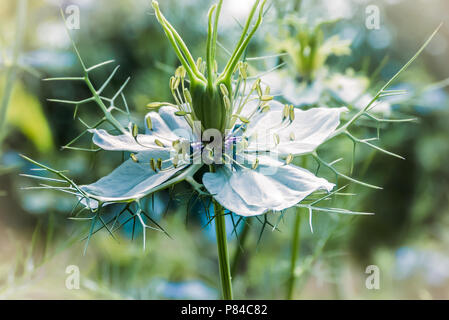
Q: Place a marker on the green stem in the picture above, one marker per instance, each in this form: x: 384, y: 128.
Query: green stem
x: 223, y: 257
x: 243, y: 42
x: 294, y: 254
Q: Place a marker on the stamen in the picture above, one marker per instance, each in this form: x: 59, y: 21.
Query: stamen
x: 255, y: 164
x: 159, y: 143
x: 292, y: 136
x: 133, y: 157
x: 149, y: 123
x: 285, y: 112
x: 152, y: 164
x: 155, y: 105
x: 135, y: 130
x: 266, y: 98
x: 180, y: 72
x: 227, y: 103
x: 175, y: 161
x: 256, y: 86
x: 292, y: 113
x: 224, y: 90
x: 215, y: 66
x: 243, y: 119
x: 265, y: 108
x: 199, y: 63
x: 267, y: 90
x: 243, y: 70
x: 277, y: 140
x: 187, y: 96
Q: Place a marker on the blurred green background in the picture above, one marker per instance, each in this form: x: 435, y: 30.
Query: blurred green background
x: 407, y: 238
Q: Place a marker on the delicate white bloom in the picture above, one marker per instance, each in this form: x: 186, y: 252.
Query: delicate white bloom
x: 352, y: 89
x: 250, y: 181
x: 297, y: 94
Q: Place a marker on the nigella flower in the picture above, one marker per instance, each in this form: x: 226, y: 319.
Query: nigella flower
x: 253, y: 175
x: 246, y: 140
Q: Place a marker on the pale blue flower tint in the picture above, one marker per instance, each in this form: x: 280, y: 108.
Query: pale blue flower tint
x: 432, y: 100
x: 43, y: 202
x: 49, y: 59
x: 396, y: 100
x: 192, y: 289
x: 293, y: 92
x: 431, y: 265
x: 380, y: 39
x: 12, y: 158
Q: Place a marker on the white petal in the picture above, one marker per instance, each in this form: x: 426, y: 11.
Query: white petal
x: 309, y: 129
x: 174, y: 123
x: 272, y: 186
x: 347, y: 88
x: 166, y: 127
x: 123, y: 142
x: 132, y: 180
x: 379, y: 107
x: 218, y: 185
x: 295, y: 93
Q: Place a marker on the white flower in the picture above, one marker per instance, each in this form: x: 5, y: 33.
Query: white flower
x: 250, y: 181
x: 352, y: 89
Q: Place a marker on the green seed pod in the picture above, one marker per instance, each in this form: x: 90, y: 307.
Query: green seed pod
x: 209, y: 106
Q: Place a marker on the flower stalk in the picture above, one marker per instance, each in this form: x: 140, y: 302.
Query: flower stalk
x: 223, y: 256
x: 296, y: 242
